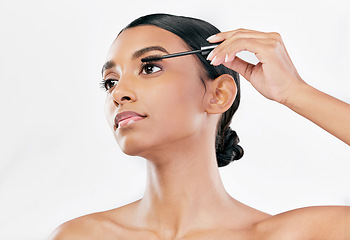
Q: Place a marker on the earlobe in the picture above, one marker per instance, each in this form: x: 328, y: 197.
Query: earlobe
x: 222, y: 93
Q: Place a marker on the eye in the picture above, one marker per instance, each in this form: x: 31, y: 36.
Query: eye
x: 108, y: 84
x: 150, y: 68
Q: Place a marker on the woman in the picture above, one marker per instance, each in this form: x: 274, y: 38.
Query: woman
x: 176, y: 113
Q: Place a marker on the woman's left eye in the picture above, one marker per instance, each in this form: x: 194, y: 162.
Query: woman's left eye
x: 150, y: 68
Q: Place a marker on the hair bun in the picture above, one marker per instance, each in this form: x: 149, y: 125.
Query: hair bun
x: 227, y: 149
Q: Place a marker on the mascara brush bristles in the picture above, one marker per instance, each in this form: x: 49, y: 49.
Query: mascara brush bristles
x: 152, y: 58
x: 158, y: 57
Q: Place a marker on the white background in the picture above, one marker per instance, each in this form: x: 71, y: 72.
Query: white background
x: 58, y: 159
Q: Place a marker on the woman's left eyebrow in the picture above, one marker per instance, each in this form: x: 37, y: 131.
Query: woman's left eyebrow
x: 145, y: 50
x: 110, y: 64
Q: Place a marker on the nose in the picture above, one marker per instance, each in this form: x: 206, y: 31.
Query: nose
x: 123, y: 92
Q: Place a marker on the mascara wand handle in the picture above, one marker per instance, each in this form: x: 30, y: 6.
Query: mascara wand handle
x: 207, y: 49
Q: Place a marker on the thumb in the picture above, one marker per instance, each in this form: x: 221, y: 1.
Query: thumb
x: 242, y: 67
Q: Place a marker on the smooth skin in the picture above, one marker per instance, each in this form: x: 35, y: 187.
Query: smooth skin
x: 184, y: 196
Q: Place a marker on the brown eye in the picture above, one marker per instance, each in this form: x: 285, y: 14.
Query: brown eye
x: 150, y: 68
x: 110, y: 83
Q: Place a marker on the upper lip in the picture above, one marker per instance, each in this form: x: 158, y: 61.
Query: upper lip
x: 126, y: 114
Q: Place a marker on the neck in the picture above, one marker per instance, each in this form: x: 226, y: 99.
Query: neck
x: 183, y: 190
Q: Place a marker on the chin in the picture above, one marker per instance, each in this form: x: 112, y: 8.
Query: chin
x: 131, y: 151
x: 133, y: 146
x: 148, y: 143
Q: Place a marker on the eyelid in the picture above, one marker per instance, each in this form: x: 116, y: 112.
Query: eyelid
x: 105, y: 73
x: 108, y: 76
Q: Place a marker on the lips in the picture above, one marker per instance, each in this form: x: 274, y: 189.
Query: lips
x: 127, y: 117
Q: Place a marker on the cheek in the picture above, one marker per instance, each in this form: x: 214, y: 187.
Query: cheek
x: 177, y: 105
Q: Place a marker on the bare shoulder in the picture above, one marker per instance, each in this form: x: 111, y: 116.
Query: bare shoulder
x: 326, y: 222
x: 85, y: 227
x: 101, y: 225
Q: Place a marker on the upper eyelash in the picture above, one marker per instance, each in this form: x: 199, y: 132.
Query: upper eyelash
x: 146, y: 59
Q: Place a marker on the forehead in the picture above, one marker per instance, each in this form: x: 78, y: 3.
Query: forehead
x: 133, y: 39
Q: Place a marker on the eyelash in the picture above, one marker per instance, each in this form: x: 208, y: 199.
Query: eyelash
x: 104, y: 84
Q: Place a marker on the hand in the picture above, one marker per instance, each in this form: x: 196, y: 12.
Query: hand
x: 275, y: 76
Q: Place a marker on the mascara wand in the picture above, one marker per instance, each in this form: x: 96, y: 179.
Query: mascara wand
x: 204, y: 51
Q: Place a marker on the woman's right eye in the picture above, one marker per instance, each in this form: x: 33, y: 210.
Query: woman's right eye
x: 108, y: 83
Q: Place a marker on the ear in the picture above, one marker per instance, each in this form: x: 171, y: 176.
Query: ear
x: 221, y: 92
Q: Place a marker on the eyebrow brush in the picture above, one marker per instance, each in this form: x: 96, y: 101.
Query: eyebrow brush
x: 204, y: 51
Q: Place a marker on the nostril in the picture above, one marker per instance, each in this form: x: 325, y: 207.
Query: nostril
x: 125, y: 98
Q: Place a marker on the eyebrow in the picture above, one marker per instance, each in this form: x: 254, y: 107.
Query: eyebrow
x: 110, y: 64
x: 142, y: 51
x: 107, y: 65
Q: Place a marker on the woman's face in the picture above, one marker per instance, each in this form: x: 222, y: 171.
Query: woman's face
x: 169, y: 92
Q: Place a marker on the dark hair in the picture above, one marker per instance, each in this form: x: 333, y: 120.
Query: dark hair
x: 194, y: 33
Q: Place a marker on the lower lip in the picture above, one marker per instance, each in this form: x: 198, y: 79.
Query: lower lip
x: 129, y: 121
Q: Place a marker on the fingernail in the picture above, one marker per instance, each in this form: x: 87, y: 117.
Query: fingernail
x: 213, y: 61
x: 226, y: 58
x: 211, y: 37
x: 210, y: 55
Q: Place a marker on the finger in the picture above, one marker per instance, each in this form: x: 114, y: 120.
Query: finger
x: 219, y: 37
x: 242, y: 67
x: 238, y: 35
x: 262, y: 48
